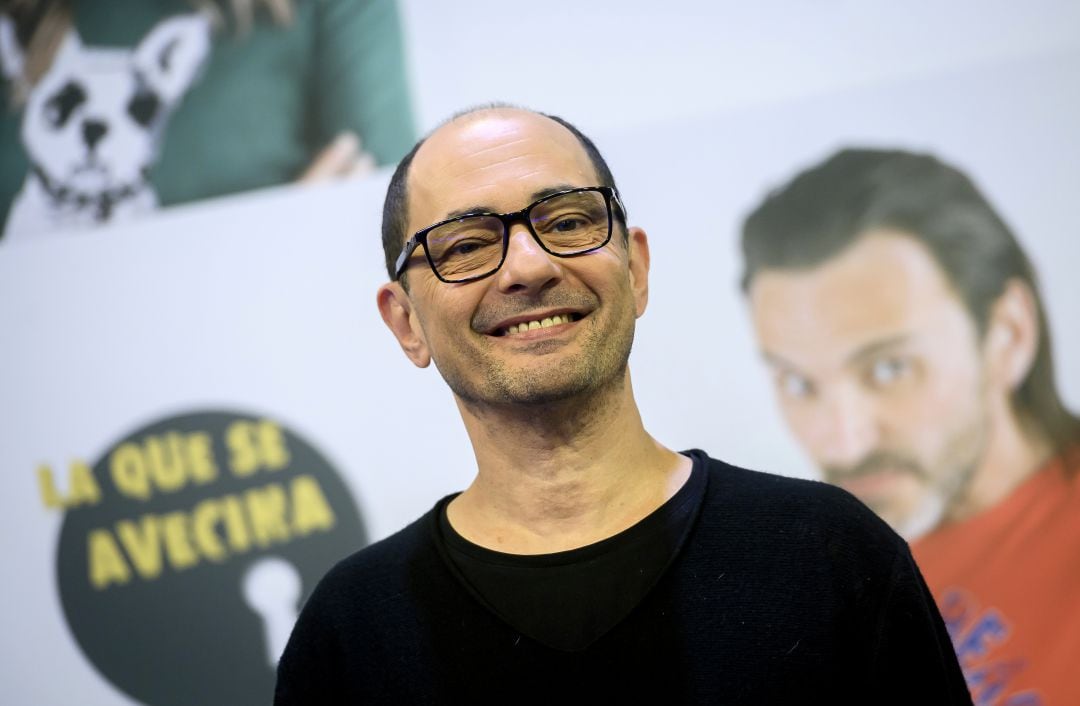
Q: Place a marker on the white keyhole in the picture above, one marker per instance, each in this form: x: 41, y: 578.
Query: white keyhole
x: 271, y: 588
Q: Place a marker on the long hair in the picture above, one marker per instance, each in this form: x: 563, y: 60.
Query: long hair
x: 823, y: 210
x: 40, y: 26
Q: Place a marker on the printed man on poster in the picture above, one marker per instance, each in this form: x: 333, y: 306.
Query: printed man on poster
x: 911, y: 356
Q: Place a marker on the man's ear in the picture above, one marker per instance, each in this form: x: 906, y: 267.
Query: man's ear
x: 637, y: 246
x: 397, y: 311
x: 1012, y: 335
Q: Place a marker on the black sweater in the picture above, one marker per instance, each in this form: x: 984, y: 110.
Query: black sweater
x: 784, y: 591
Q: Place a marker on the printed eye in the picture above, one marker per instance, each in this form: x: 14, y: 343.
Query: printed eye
x: 59, y: 108
x: 794, y: 385
x: 143, y: 107
x: 888, y: 371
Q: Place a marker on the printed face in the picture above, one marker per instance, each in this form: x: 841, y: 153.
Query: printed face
x: 93, y: 122
x: 542, y: 328
x: 879, y: 374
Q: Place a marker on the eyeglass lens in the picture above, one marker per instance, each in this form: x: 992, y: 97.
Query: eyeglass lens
x: 566, y: 224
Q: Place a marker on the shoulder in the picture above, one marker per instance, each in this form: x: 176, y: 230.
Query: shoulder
x: 377, y: 572
x: 802, y: 511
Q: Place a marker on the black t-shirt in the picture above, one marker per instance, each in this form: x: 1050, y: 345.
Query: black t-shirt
x: 567, y: 600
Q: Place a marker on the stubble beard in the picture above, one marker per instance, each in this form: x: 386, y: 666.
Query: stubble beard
x: 943, y: 487
x: 551, y: 380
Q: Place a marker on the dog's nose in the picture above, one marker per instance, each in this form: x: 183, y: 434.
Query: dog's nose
x: 93, y: 131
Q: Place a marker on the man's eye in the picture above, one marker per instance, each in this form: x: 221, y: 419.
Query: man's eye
x: 567, y: 225
x: 468, y: 247
x: 795, y: 386
x: 887, y: 371
x: 465, y: 248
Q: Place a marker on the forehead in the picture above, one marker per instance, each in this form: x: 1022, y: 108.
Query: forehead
x: 886, y: 284
x: 494, y: 160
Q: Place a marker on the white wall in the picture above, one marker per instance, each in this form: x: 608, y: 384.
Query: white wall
x: 622, y: 63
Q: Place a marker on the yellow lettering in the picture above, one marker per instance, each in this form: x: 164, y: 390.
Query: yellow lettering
x: 214, y: 530
x: 207, y: 514
x: 275, y: 453
x: 106, y: 565
x: 236, y: 529
x: 143, y: 545
x: 81, y: 483
x: 177, y: 543
x: 266, y: 512
x: 166, y: 461
x: 310, y: 511
x: 243, y: 453
x: 129, y: 471
x: 256, y: 445
x: 201, y: 458
x: 84, y: 487
x: 49, y: 495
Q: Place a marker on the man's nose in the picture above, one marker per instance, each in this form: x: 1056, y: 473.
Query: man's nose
x: 847, y: 430
x: 528, y: 268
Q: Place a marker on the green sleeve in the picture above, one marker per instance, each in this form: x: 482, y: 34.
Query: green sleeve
x: 359, y: 79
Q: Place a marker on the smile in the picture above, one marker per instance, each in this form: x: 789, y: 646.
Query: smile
x: 547, y: 322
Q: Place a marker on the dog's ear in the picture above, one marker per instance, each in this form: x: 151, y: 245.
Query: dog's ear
x: 11, y: 53
x: 13, y: 58
x: 170, y: 56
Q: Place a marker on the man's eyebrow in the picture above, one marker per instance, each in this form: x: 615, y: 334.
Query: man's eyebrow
x: 777, y: 361
x: 867, y: 351
x: 551, y: 191
x: 468, y: 211
x: 536, y: 196
x: 875, y: 347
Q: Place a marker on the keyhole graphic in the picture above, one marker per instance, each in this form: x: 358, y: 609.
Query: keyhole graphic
x: 271, y: 588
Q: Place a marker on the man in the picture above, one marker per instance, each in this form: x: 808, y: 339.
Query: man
x: 912, y: 359
x: 587, y: 562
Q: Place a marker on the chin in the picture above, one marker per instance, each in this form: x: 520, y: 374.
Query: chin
x: 923, y: 520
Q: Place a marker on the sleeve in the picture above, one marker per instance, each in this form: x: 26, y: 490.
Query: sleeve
x: 359, y: 80
x: 913, y: 660
x: 309, y: 672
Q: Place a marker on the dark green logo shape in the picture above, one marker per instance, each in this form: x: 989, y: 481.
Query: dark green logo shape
x: 156, y: 578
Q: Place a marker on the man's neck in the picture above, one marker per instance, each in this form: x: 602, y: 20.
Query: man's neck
x: 562, y: 475
x: 1012, y: 454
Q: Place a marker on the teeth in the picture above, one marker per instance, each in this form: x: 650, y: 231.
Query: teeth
x: 541, y: 323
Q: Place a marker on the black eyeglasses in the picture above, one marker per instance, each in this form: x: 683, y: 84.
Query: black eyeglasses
x: 473, y: 246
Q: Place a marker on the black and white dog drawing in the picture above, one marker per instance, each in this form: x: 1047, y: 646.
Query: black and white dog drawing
x: 93, y: 124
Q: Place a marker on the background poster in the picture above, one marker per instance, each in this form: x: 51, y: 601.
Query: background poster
x: 258, y: 311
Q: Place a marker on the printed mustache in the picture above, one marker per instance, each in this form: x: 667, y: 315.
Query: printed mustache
x: 876, y: 462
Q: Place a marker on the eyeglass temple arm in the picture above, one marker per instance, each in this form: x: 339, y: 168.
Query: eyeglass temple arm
x: 403, y: 258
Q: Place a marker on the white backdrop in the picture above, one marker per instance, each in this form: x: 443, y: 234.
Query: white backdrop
x: 265, y: 302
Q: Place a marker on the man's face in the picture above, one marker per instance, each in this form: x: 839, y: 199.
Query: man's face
x: 501, y: 161
x: 879, y: 373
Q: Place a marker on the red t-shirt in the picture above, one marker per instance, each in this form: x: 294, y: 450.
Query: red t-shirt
x: 1007, y: 582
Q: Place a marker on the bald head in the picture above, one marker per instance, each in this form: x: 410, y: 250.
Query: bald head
x: 448, y: 150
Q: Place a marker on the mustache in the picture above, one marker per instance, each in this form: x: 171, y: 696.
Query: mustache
x: 875, y: 462
x: 487, y: 317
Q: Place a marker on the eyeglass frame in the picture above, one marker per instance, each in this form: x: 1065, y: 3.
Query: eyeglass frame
x: 611, y: 198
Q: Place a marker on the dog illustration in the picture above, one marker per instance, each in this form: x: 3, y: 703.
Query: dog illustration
x: 92, y: 125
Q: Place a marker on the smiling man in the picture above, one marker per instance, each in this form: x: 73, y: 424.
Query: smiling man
x: 587, y: 562
x: 912, y: 359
